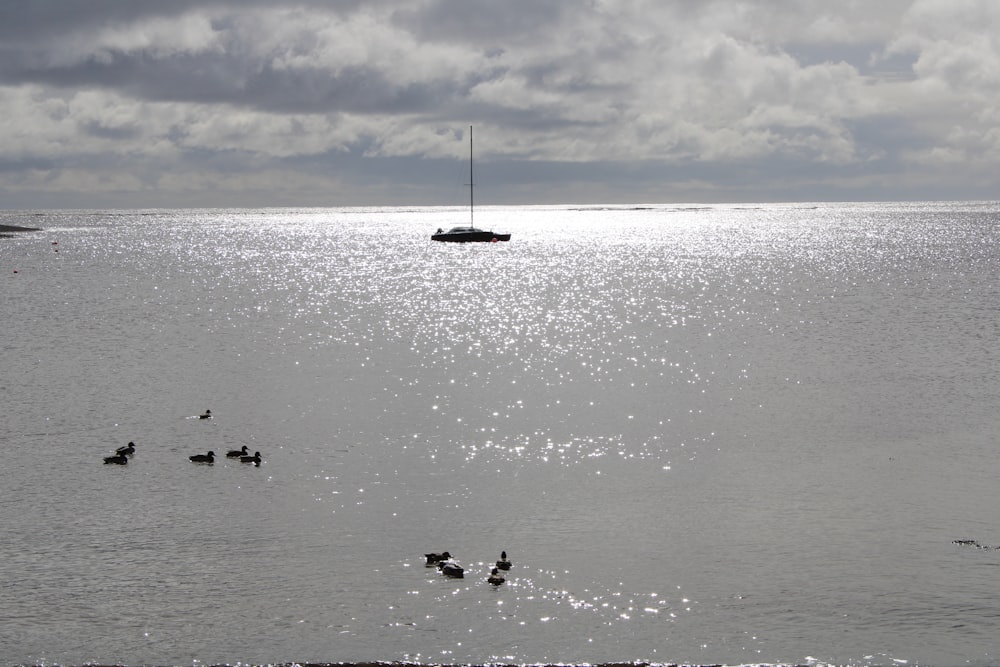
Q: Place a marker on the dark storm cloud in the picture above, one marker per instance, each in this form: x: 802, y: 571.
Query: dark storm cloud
x: 28, y: 20
x: 484, y: 22
x: 25, y: 21
x: 233, y: 73
x: 231, y: 80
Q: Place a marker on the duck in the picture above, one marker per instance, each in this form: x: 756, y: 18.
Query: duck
x: 451, y: 568
x: 203, y: 458
x: 255, y: 459
x: 237, y: 453
x: 495, y: 577
x: 118, y: 459
x: 503, y: 563
x: 127, y: 450
x: 207, y: 415
x: 434, y: 558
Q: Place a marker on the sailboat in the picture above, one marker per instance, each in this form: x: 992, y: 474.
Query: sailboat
x: 470, y: 233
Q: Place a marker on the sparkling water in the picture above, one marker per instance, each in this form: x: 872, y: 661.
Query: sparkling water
x: 724, y: 434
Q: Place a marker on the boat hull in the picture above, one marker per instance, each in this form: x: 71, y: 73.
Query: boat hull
x: 470, y: 237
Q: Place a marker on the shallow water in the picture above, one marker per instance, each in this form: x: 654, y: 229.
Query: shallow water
x: 730, y: 434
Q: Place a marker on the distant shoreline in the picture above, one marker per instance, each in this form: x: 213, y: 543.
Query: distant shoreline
x: 473, y: 664
x: 7, y: 229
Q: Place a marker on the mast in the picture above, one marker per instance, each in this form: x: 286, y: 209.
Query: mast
x: 471, y: 182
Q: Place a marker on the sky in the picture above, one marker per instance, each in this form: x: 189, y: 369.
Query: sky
x: 253, y: 103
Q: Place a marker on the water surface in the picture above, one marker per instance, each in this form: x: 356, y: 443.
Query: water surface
x: 726, y: 434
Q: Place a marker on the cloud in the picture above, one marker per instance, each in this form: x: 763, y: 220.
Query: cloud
x: 747, y: 94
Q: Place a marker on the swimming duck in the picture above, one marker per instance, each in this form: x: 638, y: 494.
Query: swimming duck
x: 207, y: 415
x: 128, y: 450
x: 434, y: 559
x: 495, y: 577
x: 451, y: 568
x: 237, y: 453
x: 255, y: 459
x: 118, y: 459
x: 503, y: 563
x: 203, y: 458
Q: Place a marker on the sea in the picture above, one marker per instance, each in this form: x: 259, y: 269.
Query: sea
x: 741, y: 434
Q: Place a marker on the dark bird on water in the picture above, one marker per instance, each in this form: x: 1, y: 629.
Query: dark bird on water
x: 128, y: 449
x: 118, y: 459
x: 255, y: 459
x: 503, y: 563
x: 451, y: 568
x: 435, y: 558
x: 495, y: 577
x: 203, y: 458
x: 207, y: 415
x: 237, y: 453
